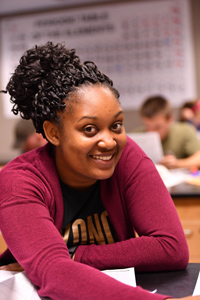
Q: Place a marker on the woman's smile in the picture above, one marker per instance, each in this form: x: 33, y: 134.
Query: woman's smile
x: 101, y: 157
x: 104, y: 160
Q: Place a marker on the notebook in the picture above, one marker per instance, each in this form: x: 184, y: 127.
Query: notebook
x: 150, y: 143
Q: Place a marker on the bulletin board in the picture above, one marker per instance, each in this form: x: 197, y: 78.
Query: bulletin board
x: 144, y: 47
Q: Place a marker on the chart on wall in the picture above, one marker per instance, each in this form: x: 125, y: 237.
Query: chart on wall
x: 145, y: 47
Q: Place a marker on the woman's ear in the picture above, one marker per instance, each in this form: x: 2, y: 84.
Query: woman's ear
x: 51, y: 132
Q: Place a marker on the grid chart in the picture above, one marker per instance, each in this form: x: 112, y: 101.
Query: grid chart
x: 145, y: 48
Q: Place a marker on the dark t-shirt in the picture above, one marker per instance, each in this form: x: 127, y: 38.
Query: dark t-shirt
x: 85, y: 219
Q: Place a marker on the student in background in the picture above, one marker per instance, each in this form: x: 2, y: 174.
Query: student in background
x: 180, y: 143
x: 26, y: 138
x: 72, y: 207
x: 190, y: 112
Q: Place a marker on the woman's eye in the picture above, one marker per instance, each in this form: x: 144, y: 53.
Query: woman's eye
x: 91, y: 130
x: 117, y: 127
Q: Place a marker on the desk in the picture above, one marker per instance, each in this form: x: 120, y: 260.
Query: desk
x: 185, y: 190
x: 186, y: 198
x: 176, y: 283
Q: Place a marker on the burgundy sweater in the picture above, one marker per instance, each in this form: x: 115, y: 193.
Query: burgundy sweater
x: 31, y: 216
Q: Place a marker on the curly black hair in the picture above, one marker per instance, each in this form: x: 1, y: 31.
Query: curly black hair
x: 44, y: 78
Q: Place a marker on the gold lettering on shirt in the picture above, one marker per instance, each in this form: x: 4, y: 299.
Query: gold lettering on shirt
x: 79, y: 223
x: 107, y: 227
x: 66, y: 234
x: 93, y: 233
x: 80, y: 230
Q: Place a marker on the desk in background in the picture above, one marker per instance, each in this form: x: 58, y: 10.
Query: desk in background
x: 174, y: 283
x: 186, y: 198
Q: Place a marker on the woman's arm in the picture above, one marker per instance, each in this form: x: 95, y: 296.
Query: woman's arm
x: 37, y: 245
x: 39, y: 248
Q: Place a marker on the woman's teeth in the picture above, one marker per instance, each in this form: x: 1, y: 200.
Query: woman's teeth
x: 102, y: 157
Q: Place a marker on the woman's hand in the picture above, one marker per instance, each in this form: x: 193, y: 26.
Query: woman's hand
x: 12, y: 267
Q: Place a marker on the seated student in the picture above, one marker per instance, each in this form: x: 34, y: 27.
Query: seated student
x: 26, y: 138
x: 72, y: 207
x: 180, y: 143
x: 190, y: 112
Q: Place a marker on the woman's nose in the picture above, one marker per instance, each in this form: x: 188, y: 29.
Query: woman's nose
x: 107, y: 142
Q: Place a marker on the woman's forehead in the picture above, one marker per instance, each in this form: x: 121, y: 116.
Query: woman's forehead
x: 91, y: 99
x: 86, y: 93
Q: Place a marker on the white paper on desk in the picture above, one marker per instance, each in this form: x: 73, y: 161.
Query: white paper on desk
x: 172, y: 177
x: 126, y: 276
x: 17, y: 286
x: 197, y: 287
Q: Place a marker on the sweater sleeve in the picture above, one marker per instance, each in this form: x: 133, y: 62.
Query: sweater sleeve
x: 141, y: 204
x: 37, y: 245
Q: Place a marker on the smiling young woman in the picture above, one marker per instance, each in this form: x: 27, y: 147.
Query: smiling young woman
x: 72, y: 207
x: 95, y: 126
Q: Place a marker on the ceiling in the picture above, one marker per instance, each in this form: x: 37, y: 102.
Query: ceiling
x: 8, y: 7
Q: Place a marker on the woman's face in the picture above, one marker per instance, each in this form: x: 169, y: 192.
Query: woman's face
x: 91, y: 137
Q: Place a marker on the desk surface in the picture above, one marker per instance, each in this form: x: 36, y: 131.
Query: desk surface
x: 176, y: 283
x: 185, y: 190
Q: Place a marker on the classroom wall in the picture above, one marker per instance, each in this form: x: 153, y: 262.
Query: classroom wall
x: 132, y: 118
